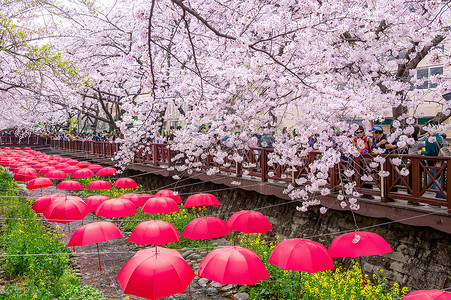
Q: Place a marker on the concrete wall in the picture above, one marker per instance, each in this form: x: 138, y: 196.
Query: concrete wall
x: 421, y: 257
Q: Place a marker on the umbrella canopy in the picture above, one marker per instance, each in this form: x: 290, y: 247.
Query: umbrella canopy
x: 160, y: 205
x: 39, y: 183
x: 201, y: 199
x: 46, y: 169
x: 116, y: 208
x: 428, y: 295
x: 125, y: 183
x: 154, y: 232
x: 72, y: 162
x: 83, y: 173
x: 94, y: 201
x: 155, y: 275
x: 71, y: 169
x: 25, y: 174
x: 206, y: 228
x: 69, y: 185
x: 66, y: 210
x: 95, y: 168
x: 83, y: 164
x: 106, y: 171
x: 170, y: 194
x: 99, y: 185
x: 152, y: 250
x: 248, y: 221
x: 233, y: 265
x: 56, y: 174
x: 137, y: 199
x: 61, y: 166
x: 301, y: 255
x: 94, y: 233
x: 359, y: 243
x: 41, y: 204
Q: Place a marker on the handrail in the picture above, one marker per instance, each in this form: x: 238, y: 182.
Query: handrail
x: 31, y: 140
x: 427, y: 181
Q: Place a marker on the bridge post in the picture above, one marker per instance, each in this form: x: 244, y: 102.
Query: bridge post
x: 385, y: 182
x: 416, y: 178
x: 448, y: 185
x: 263, y: 164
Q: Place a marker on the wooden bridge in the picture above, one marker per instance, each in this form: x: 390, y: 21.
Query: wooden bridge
x: 427, y: 186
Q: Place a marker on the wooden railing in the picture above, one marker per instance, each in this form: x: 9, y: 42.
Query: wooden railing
x: 30, y: 140
x: 427, y: 181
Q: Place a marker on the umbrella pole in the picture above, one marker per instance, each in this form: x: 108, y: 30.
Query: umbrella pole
x: 98, y: 255
x: 361, y: 268
x: 300, y: 279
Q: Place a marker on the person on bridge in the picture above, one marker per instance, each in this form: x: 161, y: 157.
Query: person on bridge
x: 380, y: 140
x: 361, y: 141
x: 432, y: 148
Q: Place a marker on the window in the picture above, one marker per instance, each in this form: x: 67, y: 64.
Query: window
x: 426, y: 74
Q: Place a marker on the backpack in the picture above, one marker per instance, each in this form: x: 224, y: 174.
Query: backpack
x: 443, y: 150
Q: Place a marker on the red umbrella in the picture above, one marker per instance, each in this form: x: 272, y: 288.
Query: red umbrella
x: 169, y: 194
x: 45, y: 170
x: 125, y: 183
x: 84, y: 164
x: 41, y: 204
x: 39, y: 183
x: 95, y: 233
x: 106, y: 171
x: 205, y: 228
x: 61, y: 166
x: 16, y: 165
x: 69, y: 185
x: 99, y: 185
x: 66, y: 210
x: 27, y: 148
x: 56, y: 174
x: 83, y: 173
x: 116, y: 208
x: 160, y: 205
x: 233, y: 265
x: 71, y: 169
x: 154, y: 232
x: 25, y: 174
x: 248, y: 221
x: 201, y: 199
x: 94, y: 201
x: 17, y: 149
x: 39, y: 166
x: 155, y: 275
x: 428, y: 295
x: 301, y: 255
x: 137, y: 199
x: 359, y: 243
x: 72, y: 162
x: 52, y: 163
x: 95, y: 168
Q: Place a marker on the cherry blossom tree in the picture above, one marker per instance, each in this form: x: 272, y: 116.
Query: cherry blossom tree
x: 244, y: 68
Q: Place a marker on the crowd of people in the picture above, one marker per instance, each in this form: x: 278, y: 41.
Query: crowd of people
x: 103, y: 136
